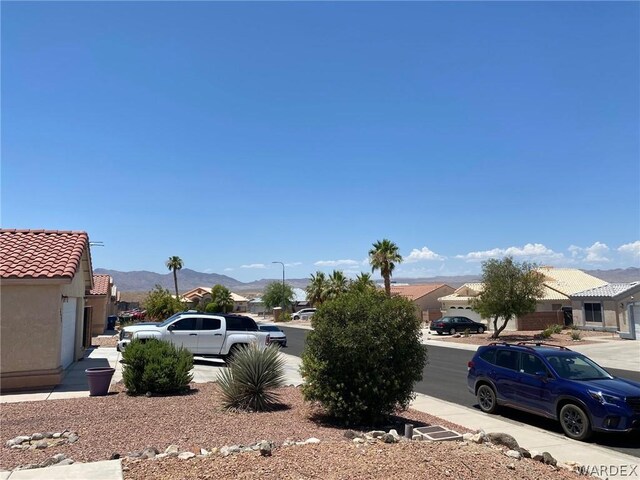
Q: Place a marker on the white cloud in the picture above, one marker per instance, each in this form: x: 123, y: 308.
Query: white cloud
x: 532, y: 251
x: 294, y: 264
x: 632, y: 248
x: 593, y: 254
x: 228, y: 269
x: 424, y: 253
x: 254, y: 265
x: 334, y: 263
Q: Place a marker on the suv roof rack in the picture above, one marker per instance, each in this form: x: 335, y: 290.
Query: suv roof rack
x: 529, y: 345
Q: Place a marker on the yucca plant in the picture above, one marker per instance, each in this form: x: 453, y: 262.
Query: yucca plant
x: 252, y: 376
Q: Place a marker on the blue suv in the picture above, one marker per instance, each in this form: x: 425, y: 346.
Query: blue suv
x: 554, y: 382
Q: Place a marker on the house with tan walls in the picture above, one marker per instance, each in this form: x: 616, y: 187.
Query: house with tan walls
x: 102, y: 301
x: 44, y: 277
x: 613, y: 307
x: 554, y: 306
x: 425, y: 297
x: 201, y: 295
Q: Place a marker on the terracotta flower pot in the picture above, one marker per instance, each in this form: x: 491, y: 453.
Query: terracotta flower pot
x: 99, y: 379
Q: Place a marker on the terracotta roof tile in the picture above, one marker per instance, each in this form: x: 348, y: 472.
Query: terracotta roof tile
x: 101, y: 285
x: 413, y: 292
x: 41, y: 253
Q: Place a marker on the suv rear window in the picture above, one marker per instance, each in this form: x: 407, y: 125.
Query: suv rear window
x: 507, y: 359
x: 489, y: 355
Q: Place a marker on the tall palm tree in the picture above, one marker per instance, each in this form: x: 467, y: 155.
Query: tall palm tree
x: 383, y: 256
x: 338, y: 284
x: 224, y: 299
x: 317, y: 288
x: 175, y: 264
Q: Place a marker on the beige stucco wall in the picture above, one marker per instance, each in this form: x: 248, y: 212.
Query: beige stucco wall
x: 99, y: 314
x: 430, y: 300
x: 614, y: 317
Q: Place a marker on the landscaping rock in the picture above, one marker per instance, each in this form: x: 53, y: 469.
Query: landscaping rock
x: 265, y: 448
x: 186, y: 455
x: 511, y: 466
x: 479, y: 437
x: 59, y: 457
x: 548, y: 459
x: 72, y: 438
x: 312, y: 440
x: 149, y: 452
x: 514, y: 454
x: 524, y: 452
x: 160, y: 456
x: 172, y: 449
x: 57, y: 435
x: 359, y: 440
x: 388, y: 438
x: 394, y: 433
x: 204, y: 451
x: 376, y: 433
x: 66, y: 461
x: 40, y: 445
x: 350, y: 434
x: 503, y: 439
x: 114, y: 456
x: 536, y: 455
x: 37, y: 436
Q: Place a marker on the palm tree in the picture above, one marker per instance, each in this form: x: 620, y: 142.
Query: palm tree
x: 175, y: 264
x: 363, y: 282
x: 317, y: 288
x: 338, y: 284
x: 224, y: 298
x: 384, y: 256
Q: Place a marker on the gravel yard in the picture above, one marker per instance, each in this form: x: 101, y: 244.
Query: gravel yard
x: 512, y: 336
x: 122, y: 424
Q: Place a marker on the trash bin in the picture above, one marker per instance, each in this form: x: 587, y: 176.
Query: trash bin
x: 111, y: 322
x: 99, y: 379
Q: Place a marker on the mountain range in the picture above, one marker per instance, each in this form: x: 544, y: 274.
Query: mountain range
x: 143, y: 281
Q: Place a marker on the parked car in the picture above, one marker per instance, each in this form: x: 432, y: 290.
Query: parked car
x: 203, y: 334
x: 275, y: 333
x: 304, y: 314
x: 454, y: 325
x: 557, y: 383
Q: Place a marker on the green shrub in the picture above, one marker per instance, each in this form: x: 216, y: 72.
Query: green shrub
x: 363, y: 356
x: 556, y: 328
x: 547, y: 332
x: 467, y: 332
x: 575, y: 334
x: 157, y: 367
x: 251, y: 378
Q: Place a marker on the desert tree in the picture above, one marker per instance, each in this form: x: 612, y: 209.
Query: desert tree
x: 384, y: 256
x: 174, y: 264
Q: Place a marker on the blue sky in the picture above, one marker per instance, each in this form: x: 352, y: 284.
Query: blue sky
x: 237, y: 134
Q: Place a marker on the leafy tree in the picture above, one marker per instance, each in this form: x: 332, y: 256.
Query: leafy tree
x: 363, y: 356
x: 511, y: 289
x: 383, y: 256
x: 277, y: 295
x: 337, y: 284
x: 174, y: 264
x: 221, y: 300
x: 160, y: 304
x: 317, y: 289
x: 363, y: 282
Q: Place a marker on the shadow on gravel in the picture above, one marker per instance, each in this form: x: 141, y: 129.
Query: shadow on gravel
x: 396, y: 422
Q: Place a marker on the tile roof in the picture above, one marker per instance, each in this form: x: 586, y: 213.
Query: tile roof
x: 238, y: 298
x: 414, y: 292
x: 609, y: 290
x: 101, y: 285
x: 41, y: 253
x: 569, y: 280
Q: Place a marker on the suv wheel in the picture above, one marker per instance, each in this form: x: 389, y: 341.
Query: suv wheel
x: 487, y: 399
x: 452, y: 331
x: 575, y: 422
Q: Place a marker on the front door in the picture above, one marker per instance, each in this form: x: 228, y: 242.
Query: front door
x: 185, y: 334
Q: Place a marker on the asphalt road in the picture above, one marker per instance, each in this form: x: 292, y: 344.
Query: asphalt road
x: 445, y: 377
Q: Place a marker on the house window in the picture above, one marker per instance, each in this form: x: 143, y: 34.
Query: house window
x: 593, y: 312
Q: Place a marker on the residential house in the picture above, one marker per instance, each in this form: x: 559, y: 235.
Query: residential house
x: 613, y: 307
x: 202, y: 295
x: 44, y: 277
x: 425, y: 297
x: 554, y: 306
x: 102, y: 302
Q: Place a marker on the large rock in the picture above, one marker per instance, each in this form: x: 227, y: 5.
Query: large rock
x: 186, y: 455
x: 265, y: 448
x: 513, y: 454
x: 388, y: 438
x: 548, y: 459
x: 149, y: 452
x: 172, y: 450
x: 504, y: 439
x: 350, y: 434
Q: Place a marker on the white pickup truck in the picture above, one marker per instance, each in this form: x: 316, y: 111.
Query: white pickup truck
x: 203, y: 334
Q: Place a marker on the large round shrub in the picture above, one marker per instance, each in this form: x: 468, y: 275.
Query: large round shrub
x: 154, y: 366
x: 363, y: 356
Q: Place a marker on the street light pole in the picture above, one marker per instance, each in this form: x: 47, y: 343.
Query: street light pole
x: 282, y: 285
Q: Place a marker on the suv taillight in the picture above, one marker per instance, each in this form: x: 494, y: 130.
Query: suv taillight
x: 470, y: 365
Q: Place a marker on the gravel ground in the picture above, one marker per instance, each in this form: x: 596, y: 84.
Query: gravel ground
x: 563, y: 338
x: 119, y: 423
x: 104, y: 341
x: 340, y: 459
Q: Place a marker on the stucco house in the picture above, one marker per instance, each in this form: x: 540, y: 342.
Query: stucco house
x: 44, y: 276
x: 553, y: 307
x: 200, y: 295
x: 102, y: 301
x: 613, y: 307
x: 425, y: 297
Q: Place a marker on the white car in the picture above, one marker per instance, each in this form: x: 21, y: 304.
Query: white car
x: 304, y: 314
x: 275, y: 333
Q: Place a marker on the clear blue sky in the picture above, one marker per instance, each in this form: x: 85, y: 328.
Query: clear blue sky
x: 236, y: 134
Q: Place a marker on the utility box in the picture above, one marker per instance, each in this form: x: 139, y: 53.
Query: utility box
x: 277, y: 314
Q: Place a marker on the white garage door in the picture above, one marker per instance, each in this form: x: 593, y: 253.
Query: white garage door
x: 636, y: 319
x: 68, y: 332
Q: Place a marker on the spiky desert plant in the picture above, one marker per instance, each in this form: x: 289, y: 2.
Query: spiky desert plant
x: 250, y: 381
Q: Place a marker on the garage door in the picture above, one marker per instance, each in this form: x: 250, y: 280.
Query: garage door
x: 636, y: 319
x: 68, y: 342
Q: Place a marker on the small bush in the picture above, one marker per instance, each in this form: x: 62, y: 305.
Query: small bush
x: 251, y: 378
x: 467, y: 332
x: 546, y: 333
x: 157, y: 367
x: 556, y: 328
x: 575, y: 335
x: 363, y: 356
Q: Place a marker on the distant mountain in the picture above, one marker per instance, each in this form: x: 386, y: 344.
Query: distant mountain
x: 143, y: 281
